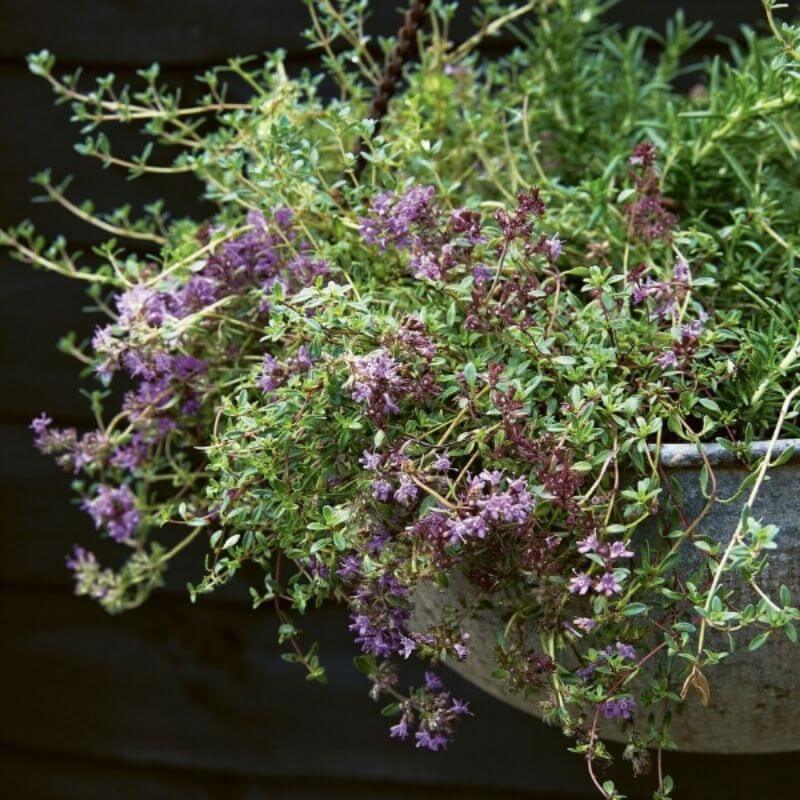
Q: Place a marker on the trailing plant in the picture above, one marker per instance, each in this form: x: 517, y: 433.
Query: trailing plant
x: 387, y: 360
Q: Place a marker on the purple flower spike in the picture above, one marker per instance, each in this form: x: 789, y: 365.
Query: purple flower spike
x: 114, y: 510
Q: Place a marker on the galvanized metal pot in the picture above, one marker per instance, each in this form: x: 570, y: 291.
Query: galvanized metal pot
x: 755, y: 696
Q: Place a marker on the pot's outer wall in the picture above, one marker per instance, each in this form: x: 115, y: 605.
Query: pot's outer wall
x: 755, y: 696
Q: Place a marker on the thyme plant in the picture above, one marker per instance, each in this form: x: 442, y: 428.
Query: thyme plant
x: 462, y: 358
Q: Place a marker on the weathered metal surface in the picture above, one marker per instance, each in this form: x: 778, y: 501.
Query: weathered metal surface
x: 755, y: 696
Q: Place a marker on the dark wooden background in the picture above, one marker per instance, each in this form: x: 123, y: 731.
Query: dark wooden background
x: 172, y: 700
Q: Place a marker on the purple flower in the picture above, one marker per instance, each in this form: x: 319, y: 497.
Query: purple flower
x: 618, y: 709
x: 392, y: 216
x: 626, y: 651
x: 461, y: 648
x: 425, y: 265
x: 349, y: 567
x: 90, y: 578
x: 407, y: 492
x: 130, y: 456
x: 433, y: 683
x: 589, y: 544
x: 580, y: 583
x: 379, y: 616
x: 442, y: 464
x: 607, y: 585
x: 467, y: 528
x: 586, y: 624
x: 431, y: 741
x: 41, y: 425
x: 114, y: 509
x: 552, y: 248
x: 407, y: 646
x: 283, y: 217
x: 382, y: 490
x: 377, y: 384
x: 400, y: 730
x: 482, y: 274
x: 620, y: 550
x: 468, y: 223
x: 667, y: 360
x: 681, y: 272
x: 80, y: 559
x: 370, y: 461
x: 644, y: 155
x: 460, y: 708
x: 274, y: 374
x: 640, y: 292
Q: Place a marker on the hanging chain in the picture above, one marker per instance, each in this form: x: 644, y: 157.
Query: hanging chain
x: 403, y: 51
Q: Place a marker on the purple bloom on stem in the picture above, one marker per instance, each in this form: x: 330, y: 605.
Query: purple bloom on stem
x: 370, y: 461
x: 433, y: 683
x: 589, y: 544
x: 407, y: 492
x: 618, y: 709
x: 667, y: 360
x: 41, y: 424
x: 382, y: 490
x: 283, y: 217
x: 407, y: 646
x: 607, y: 585
x: 469, y: 223
x: 442, y: 464
x: 80, y: 558
x: 425, y: 265
x: 349, y: 567
x: 552, y: 248
x: 400, y: 730
x: 681, y: 272
x: 586, y: 624
x: 580, y: 583
x: 114, y: 510
x: 460, y: 708
x: 482, y: 274
x: 467, y: 528
x: 430, y: 741
x: 620, y: 550
x: 626, y: 651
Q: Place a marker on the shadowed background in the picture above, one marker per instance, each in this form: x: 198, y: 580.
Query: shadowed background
x: 173, y: 700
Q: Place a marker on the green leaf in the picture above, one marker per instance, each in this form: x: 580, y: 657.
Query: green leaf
x: 635, y: 609
x: 470, y: 373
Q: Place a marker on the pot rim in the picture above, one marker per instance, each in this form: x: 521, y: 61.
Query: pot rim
x: 678, y: 456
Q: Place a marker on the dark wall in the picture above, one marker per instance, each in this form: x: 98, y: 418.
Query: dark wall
x: 173, y: 700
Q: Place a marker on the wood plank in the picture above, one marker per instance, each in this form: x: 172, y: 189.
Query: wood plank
x: 48, y: 776
x: 37, y: 309
x: 36, y: 134
x: 201, y: 688
x: 205, y: 32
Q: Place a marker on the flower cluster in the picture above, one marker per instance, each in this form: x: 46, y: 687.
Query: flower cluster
x: 380, y: 613
x: 608, y: 583
x: 114, y: 510
x: 275, y: 374
x: 414, y: 223
x: 649, y: 218
x: 412, y: 376
x: 490, y: 500
x: 433, y: 711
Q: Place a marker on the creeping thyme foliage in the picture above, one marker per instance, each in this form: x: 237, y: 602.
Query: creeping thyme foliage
x: 459, y: 365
